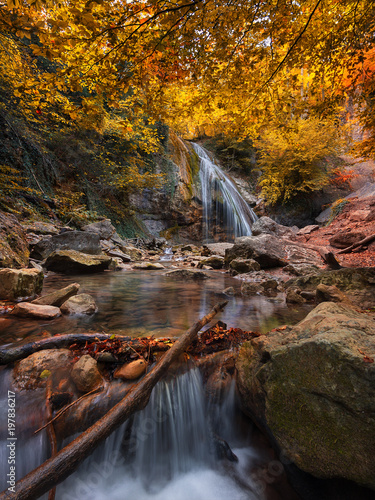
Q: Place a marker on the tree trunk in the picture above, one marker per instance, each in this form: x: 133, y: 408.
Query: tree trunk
x: 58, y: 468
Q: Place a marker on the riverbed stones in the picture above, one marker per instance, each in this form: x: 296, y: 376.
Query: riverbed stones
x: 58, y: 297
x: 18, y: 284
x: 312, y: 387
x: 35, y: 311
x: 293, y: 296
x: 85, y: 374
x: 149, y: 266
x: 71, y: 262
x: 240, y: 266
x: 187, y: 274
x: 269, y: 226
x: 325, y: 293
x: 14, y: 249
x: 131, y: 371
x: 216, y: 248
x: 214, y: 261
x: 80, y: 304
x: 265, y: 249
x: 79, y: 241
x: 27, y: 372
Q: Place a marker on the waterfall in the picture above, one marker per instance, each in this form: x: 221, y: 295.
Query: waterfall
x: 222, y: 203
x: 167, y: 452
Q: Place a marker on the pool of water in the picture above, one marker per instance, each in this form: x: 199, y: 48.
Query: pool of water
x: 150, y: 303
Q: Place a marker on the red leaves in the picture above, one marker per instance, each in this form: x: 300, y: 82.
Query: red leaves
x: 366, y: 359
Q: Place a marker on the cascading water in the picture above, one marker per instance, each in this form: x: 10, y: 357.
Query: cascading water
x: 222, y: 203
x: 167, y: 452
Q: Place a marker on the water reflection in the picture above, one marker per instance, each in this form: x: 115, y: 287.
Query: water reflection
x: 150, y: 303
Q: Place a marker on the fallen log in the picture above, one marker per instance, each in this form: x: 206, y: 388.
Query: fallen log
x: 358, y: 245
x: 329, y: 258
x: 59, y: 467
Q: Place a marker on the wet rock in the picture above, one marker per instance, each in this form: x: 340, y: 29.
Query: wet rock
x: 293, y: 296
x: 215, y: 262
x: 150, y: 266
x: 79, y: 241
x: 58, y: 297
x: 85, y: 374
x: 120, y: 255
x: 131, y: 371
x: 265, y: 249
x: 106, y: 357
x: 325, y: 293
x: 14, y: 248
x: 35, y: 311
x: 216, y: 248
x: 27, y: 372
x: 71, y: 262
x: 241, y: 266
x: 103, y: 229
x: 41, y: 228
x: 344, y: 239
x: 269, y: 226
x: 311, y: 387
x: 133, y: 252
x: 194, y: 274
x: 229, y: 291
x: 301, y: 269
x: 249, y: 288
x: 79, y: 304
x: 20, y: 283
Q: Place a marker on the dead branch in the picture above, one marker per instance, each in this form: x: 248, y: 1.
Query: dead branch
x: 359, y: 244
x: 58, y: 468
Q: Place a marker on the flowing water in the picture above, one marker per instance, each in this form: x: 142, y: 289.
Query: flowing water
x: 223, y: 205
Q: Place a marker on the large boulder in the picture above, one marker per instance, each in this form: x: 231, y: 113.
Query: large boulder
x: 80, y: 304
x: 71, y: 262
x: 27, y: 372
x: 80, y: 241
x: 215, y: 261
x: 216, y: 248
x: 265, y: 249
x: 58, y: 297
x: 103, y: 228
x: 269, y: 226
x: 18, y: 284
x: 312, y: 388
x: 346, y: 238
x: 29, y: 310
x: 14, y: 249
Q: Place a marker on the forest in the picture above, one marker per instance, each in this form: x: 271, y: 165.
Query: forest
x: 164, y: 163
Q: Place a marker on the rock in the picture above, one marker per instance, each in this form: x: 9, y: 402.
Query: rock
x: 301, y: 269
x: 120, y: 255
x: 14, y: 248
x: 265, y: 249
x: 193, y: 274
x: 29, y: 310
x: 267, y: 225
x: 260, y: 283
x: 27, y: 372
x: 85, y: 374
x: 149, y: 266
x: 325, y: 293
x: 58, y: 297
x: 20, y: 283
x: 131, y: 371
x: 79, y: 241
x: 229, y: 291
x: 293, y: 296
x: 344, y: 239
x: 244, y: 265
x: 251, y: 288
x: 79, y: 304
x: 133, y: 252
x: 311, y: 387
x: 40, y: 228
x: 216, y: 248
x: 215, y: 262
x: 71, y: 262
x: 308, y: 229
x: 106, y: 357
x: 103, y: 228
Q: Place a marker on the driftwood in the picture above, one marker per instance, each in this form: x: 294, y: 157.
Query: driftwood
x: 329, y: 258
x: 11, y: 354
x: 50, y: 432
x: 357, y: 246
x: 58, y: 468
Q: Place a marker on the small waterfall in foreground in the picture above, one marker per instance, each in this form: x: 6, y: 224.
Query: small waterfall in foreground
x: 222, y: 203
x: 167, y: 451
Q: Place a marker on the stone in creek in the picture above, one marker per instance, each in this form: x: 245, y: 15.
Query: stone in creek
x: 293, y: 296
x: 148, y: 265
x: 79, y: 241
x: 119, y: 254
x: 131, y: 371
x: 27, y: 371
x: 215, y: 261
x: 29, y: 310
x: 80, y: 304
x: 58, y: 297
x: 70, y: 262
x: 240, y: 266
x: 187, y: 274
x: 20, y: 283
x: 85, y: 374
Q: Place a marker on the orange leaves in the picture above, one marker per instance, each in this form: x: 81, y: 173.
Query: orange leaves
x: 366, y: 359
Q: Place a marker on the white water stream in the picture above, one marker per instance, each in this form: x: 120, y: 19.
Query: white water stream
x: 223, y: 205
